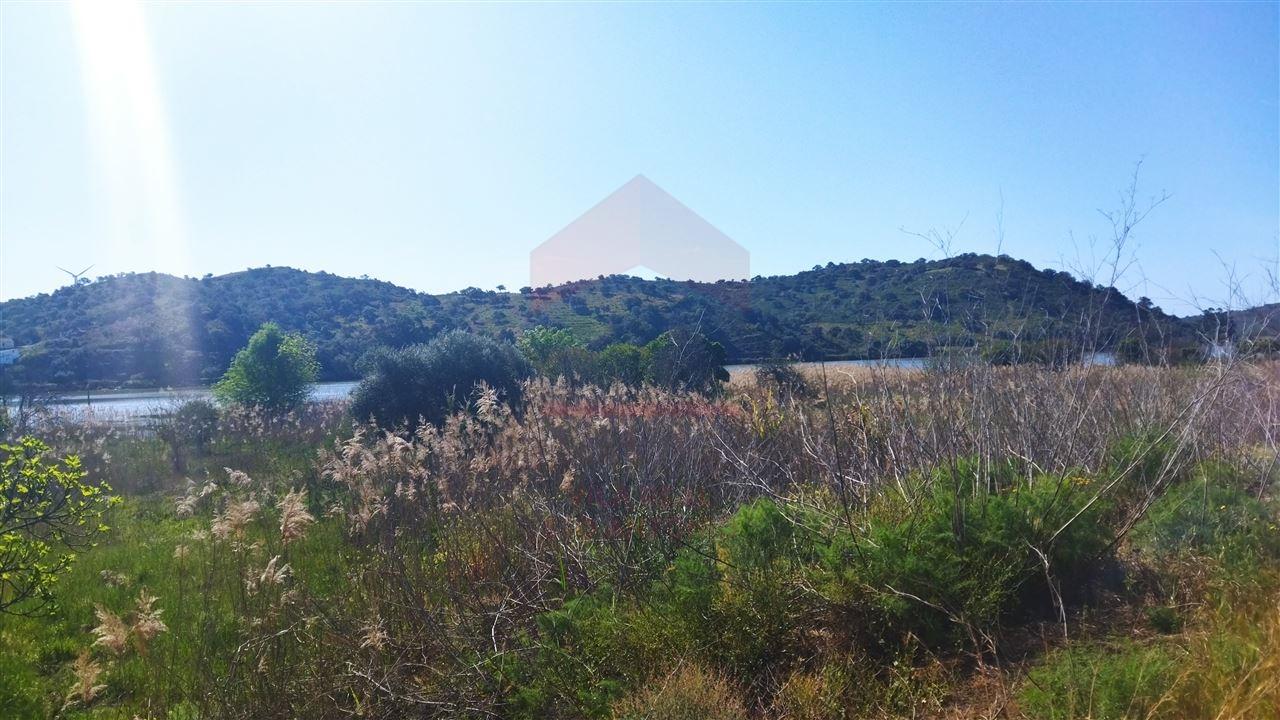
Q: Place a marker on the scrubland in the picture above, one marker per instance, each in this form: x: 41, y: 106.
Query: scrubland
x: 1015, y: 542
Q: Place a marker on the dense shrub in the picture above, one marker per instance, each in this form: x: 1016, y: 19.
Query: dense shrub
x: 188, y: 429
x: 1206, y: 516
x: 621, y: 362
x: 554, y: 352
x: 948, y: 571
x: 783, y: 377
x: 685, y: 361
x: 430, y: 381
x: 1143, y: 460
x: 273, y: 371
x: 760, y: 607
x: 569, y: 669
x: 196, y: 421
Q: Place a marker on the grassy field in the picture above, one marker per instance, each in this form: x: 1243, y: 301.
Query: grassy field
x: 980, y: 542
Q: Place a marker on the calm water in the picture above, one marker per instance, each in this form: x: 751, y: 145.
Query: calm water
x: 133, y: 403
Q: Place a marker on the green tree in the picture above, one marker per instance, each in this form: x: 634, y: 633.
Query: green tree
x: 272, y: 371
x: 621, y: 362
x: 47, y: 511
x: 545, y: 346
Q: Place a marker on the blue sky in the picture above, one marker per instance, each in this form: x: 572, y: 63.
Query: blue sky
x: 435, y: 145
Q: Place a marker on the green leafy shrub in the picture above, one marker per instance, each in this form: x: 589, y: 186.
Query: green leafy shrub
x: 1142, y: 460
x: 621, y: 363
x: 1099, y: 683
x: 733, y: 597
x: 431, y: 381
x: 47, y: 511
x: 273, y: 371
x: 555, y: 353
x: 759, y: 607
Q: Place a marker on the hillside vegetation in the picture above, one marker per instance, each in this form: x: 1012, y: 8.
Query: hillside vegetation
x: 158, y: 330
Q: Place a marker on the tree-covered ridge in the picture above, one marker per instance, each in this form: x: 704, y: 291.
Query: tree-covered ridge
x: 152, y: 329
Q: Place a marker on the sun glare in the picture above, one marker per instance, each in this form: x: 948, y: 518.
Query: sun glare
x: 129, y: 129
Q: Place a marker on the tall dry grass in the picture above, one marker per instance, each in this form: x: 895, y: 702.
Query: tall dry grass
x: 455, y: 570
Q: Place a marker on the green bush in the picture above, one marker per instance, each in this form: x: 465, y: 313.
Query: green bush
x: 1207, y: 517
x: 685, y: 361
x: 1143, y: 461
x: 621, y: 363
x: 556, y: 352
x: 431, y: 381
x: 1098, y: 683
x: 951, y: 568
x: 274, y: 371
x: 732, y: 596
x: 576, y: 665
x: 47, y: 511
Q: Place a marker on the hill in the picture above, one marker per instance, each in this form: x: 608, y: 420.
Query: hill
x: 149, y: 329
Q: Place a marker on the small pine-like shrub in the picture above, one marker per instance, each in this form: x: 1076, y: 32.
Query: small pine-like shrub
x: 1142, y: 461
x: 1099, y: 683
x: 947, y: 571
x: 578, y: 664
x: 1205, y: 516
x: 734, y: 596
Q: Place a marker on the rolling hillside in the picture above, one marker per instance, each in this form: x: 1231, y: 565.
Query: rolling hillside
x: 151, y: 329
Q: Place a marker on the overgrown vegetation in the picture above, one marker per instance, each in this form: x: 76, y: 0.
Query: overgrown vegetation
x: 972, y: 540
